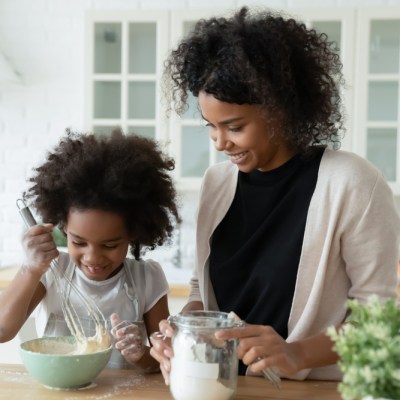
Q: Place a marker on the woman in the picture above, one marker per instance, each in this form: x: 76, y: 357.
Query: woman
x: 290, y: 227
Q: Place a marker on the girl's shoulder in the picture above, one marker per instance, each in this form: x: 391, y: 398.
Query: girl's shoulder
x: 143, y: 267
x: 146, y: 274
x: 142, y: 263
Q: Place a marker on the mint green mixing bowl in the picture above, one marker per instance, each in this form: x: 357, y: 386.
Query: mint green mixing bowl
x: 61, y: 371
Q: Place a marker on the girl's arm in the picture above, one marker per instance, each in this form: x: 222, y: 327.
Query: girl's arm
x: 25, y: 291
x: 152, y: 318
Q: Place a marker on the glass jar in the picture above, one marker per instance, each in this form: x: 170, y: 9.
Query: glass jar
x: 203, y: 367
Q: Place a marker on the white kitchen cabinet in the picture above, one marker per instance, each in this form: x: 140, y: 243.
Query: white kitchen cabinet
x: 125, y: 51
x: 377, y: 90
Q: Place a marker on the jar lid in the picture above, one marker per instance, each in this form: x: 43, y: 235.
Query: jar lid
x: 203, y: 320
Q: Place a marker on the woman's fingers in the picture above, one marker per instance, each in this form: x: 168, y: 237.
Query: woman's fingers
x: 165, y: 374
x: 166, y: 329
x: 165, y: 365
x: 161, y: 346
x: 161, y: 350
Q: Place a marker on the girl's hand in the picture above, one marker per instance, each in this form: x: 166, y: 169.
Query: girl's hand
x: 161, y: 348
x: 39, y: 248
x: 130, y: 338
x: 261, y: 347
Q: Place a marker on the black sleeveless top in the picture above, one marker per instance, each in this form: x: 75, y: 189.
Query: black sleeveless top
x: 255, y: 250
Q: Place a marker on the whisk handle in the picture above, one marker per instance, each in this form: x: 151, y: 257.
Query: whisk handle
x: 26, y: 214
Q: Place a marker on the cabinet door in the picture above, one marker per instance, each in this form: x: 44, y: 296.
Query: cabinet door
x: 339, y: 25
x: 378, y: 79
x: 191, y: 145
x: 124, y: 52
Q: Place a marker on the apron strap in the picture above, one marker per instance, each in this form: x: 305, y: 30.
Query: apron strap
x: 131, y: 291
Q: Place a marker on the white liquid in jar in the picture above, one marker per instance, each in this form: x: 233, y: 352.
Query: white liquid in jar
x: 197, y: 381
x: 189, y: 388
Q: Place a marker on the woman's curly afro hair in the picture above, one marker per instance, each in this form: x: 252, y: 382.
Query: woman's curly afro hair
x: 127, y: 175
x: 263, y: 59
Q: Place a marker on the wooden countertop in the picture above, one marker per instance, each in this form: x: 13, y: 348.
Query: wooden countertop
x: 15, y: 383
x: 7, y: 274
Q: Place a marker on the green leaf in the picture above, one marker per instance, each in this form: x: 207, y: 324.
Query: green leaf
x: 369, y: 349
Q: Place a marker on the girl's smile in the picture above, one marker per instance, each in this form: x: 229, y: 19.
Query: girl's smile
x: 97, y: 242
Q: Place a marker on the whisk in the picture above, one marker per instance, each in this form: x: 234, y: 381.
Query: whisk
x: 71, y: 316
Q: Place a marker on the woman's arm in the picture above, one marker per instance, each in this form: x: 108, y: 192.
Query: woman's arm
x: 261, y: 347
x: 193, y: 306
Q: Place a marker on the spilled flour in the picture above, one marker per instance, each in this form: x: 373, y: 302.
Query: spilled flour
x: 125, y: 387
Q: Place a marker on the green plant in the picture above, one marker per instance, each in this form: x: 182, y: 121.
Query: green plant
x: 369, y: 349
x: 59, y: 237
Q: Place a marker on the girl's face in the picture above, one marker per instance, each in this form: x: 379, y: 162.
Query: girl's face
x: 250, y: 140
x: 97, y: 242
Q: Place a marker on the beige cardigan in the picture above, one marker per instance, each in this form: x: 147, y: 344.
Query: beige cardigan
x: 350, y: 247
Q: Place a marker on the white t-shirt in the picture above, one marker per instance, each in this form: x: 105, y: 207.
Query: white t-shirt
x: 132, y: 292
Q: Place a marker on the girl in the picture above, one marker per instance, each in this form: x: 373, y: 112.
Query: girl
x: 109, y: 195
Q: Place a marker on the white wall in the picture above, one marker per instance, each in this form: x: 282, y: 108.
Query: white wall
x: 44, y: 41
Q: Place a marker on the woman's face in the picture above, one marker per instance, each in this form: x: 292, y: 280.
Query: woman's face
x: 97, y: 242
x: 247, y: 137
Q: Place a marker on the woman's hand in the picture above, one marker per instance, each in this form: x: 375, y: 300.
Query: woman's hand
x: 261, y: 347
x: 161, y: 348
x: 129, y: 337
x: 39, y: 248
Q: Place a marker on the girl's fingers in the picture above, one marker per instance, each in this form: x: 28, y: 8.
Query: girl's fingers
x: 115, y: 320
x: 129, y: 341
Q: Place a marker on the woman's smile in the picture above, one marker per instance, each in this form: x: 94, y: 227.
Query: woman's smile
x: 237, y: 158
x: 244, y: 134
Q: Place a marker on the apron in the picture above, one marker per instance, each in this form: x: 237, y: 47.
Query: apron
x: 124, y: 302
